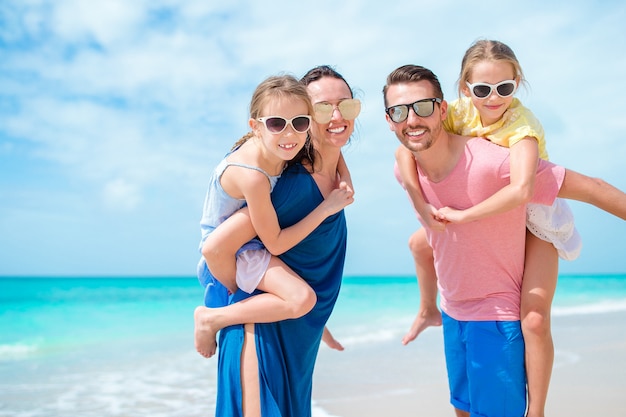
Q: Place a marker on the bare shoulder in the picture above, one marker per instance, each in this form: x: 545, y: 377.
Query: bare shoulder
x: 239, y: 181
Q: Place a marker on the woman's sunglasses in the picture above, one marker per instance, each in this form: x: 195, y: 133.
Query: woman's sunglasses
x: 422, y: 108
x: 349, y: 109
x: 276, y: 124
x: 483, y: 90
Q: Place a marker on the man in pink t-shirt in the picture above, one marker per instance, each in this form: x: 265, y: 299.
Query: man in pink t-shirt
x: 479, y: 264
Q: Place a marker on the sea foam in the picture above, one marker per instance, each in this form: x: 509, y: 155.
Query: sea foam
x: 16, y: 351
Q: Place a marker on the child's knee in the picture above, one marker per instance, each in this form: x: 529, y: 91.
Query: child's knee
x: 303, y: 301
x: 420, y: 248
x: 536, y: 322
x: 310, y: 299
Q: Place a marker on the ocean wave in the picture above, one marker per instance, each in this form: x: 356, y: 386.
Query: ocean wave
x: 159, y: 385
x: 564, y: 358
x: 391, y: 330
x: 16, y: 351
x: 370, y: 336
x: 601, y: 307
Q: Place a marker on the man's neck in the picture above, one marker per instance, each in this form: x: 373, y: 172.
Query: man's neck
x: 439, y: 160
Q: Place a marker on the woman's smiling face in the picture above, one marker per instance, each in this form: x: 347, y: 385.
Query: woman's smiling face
x: 338, y: 130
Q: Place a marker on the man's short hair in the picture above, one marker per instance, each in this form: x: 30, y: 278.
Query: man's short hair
x: 410, y: 74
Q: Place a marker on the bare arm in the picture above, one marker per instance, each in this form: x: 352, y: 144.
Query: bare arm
x: 265, y: 221
x: 221, y: 245
x: 408, y: 173
x: 594, y: 191
x: 523, y: 160
x: 344, y: 172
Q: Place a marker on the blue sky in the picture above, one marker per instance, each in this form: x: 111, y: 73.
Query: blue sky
x: 113, y: 113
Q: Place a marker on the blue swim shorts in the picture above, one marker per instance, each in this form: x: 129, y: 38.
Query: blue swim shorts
x: 485, y: 362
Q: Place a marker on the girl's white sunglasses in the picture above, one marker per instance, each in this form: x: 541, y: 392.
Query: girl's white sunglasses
x: 483, y: 90
x: 276, y: 124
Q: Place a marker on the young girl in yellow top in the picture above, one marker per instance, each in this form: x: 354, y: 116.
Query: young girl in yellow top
x: 490, y: 75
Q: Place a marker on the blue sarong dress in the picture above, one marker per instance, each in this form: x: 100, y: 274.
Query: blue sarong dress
x: 287, y: 350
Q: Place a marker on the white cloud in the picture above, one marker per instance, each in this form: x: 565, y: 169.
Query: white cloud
x: 107, y: 22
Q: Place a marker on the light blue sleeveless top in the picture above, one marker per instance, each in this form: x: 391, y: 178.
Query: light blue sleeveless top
x: 218, y: 206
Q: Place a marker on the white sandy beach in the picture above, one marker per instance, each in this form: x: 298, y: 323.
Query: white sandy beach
x: 388, y: 379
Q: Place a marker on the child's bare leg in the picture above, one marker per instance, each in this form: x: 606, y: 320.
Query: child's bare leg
x: 287, y: 297
x: 329, y: 339
x: 461, y: 413
x: 538, y: 287
x: 205, y: 332
x: 220, y: 247
x: 428, y: 314
x: 293, y: 296
x: 220, y: 257
x: 250, y: 388
x: 594, y: 191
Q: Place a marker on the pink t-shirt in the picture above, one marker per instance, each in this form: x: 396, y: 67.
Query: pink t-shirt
x: 480, y: 264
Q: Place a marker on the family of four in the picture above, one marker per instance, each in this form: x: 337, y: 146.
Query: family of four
x: 476, y: 170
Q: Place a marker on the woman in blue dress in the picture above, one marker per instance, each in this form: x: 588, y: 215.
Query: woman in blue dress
x: 266, y: 369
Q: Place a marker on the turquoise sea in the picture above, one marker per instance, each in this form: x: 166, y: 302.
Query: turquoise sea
x: 95, y: 347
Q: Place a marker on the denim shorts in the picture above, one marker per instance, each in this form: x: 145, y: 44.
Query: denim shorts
x: 485, y: 362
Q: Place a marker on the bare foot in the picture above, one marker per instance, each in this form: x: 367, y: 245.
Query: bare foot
x: 204, y: 333
x: 330, y: 340
x: 423, y: 320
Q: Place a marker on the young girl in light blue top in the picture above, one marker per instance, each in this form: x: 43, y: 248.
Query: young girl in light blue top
x: 280, y: 118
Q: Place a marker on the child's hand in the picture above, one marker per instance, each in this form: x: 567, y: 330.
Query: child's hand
x: 432, y: 218
x: 450, y: 215
x: 339, y: 198
x: 347, y: 180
